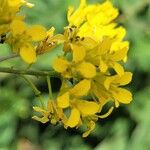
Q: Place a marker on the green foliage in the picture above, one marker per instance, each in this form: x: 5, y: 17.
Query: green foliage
x: 125, y: 129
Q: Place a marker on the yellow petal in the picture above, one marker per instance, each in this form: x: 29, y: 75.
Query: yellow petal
x: 116, y: 46
x: 87, y: 108
x: 28, y: 54
x: 60, y: 65
x: 123, y: 96
x: 87, y: 70
x: 119, y: 55
x: 105, y: 45
x: 125, y: 59
x: 42, y: 119
x: 119, y: 50
x: 63, y: 100
x: 117, y: 104
x: 17, y: 27
x: 78, y: 53
x: 29, y: 5
x: 88, y: 43
x: 36, y: 32
x: 120, y: 33
x: 70, y: 12
x: 105, y: 13
x: 77, y: 17
x: 44, y: 113
x: 108, y: 82
x: 91, y: 126
x: 103, y: 66
x: 82, y: 3
x: 118, y: 68
x: 74, y: 118
x: 40, y: 110
x: 14, y: 3
x: 82, y: 88
x: 50, y: 32
x: 124, y: 79
x: 101, y: 94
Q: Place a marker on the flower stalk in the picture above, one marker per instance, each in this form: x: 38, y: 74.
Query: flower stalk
x: 8, y: 57
x: 49, y: 87
x: 50, y: 73
x: 35, y: 89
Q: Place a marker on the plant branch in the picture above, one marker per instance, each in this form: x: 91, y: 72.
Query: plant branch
x: 35, y: 89
x: 50, y: 73
x: 8, y: 57
x: 49, y: 87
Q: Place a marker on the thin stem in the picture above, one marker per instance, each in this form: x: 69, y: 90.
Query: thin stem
x: 36, y: 91
x: 8, y: 57
x: 49, y: 87
x: 29, y: 72
x: 41, y: 101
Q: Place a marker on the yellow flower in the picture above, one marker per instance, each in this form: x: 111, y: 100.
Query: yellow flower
x: 50, y: 42
x: 22, y: 38
x: 9, y: 10
x: 108, y: 54
x: 107, y: 88
x: 93, y: 47
x: 111, y: 53
x: 81, y: 88
x: 73, y: 40
x: 82, y: 111
x: 79, y: 107
x: 77, y: 17
x: 93, y: 14
x: 46, y: 113
x: 52, y: 113
x: 94, y: 21
x: 119, y: 94
x: 99, y: 14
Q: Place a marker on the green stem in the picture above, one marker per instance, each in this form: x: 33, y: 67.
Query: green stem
x: 49, y: 87
x: 8, y: 57
x: 41, y: 100
x: 36, y: 91
x: 50, y: 73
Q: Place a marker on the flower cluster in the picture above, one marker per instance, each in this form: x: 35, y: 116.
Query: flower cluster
x: 8, y: 13
x: 91, y: 68
x: 27, y: 41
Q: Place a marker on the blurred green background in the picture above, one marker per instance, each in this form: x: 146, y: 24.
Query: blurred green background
x: 128, y: 128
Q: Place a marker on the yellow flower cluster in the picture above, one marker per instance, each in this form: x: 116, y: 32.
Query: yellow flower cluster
x: 91, y: 68
x: 27, y: 41
x: 8, y: 12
